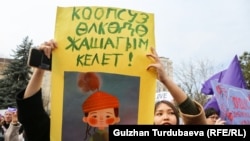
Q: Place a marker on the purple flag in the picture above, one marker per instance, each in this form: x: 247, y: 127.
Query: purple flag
x: 212, y: 103
x: 232, y: 76
x: 207, y: 87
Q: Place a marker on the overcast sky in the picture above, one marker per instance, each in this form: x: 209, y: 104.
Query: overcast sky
x: 184, y: 29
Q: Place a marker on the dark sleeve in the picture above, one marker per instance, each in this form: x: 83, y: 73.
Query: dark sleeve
x: 31, y: 114
x: 189, y: 107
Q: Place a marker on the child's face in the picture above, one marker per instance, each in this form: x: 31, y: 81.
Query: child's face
x: 164, y: 115
x: 101, y: 118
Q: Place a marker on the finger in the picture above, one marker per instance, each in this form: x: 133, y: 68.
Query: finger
x: 46, y: 49
x: 151, y: 56
x: 151, y: 66
x: 153, y: 50
x: 54, y: 43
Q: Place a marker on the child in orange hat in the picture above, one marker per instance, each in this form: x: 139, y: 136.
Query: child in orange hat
x: 101, y: 109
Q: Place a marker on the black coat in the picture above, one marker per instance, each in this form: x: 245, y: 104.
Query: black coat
x: 33, y: 117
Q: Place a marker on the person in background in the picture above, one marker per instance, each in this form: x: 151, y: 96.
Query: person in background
x: 6, y: 119
x: 191, y: 112
x: 213, y: 117
x: 11, y: 125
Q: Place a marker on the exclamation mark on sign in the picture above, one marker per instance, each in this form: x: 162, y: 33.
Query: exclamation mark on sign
x: 130, y: 58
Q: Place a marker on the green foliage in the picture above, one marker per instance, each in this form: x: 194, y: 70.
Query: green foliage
x: 245, y: 65
x: 16, y: 75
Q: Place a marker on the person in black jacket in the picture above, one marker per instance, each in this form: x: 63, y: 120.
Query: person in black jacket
x: 36, y: 123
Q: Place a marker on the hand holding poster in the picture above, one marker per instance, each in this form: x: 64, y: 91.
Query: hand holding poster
x: 99, y: 71
x: 234, y: 103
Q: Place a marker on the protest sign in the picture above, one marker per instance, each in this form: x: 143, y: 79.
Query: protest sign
x: 234, y: 103
x: 100, y: 64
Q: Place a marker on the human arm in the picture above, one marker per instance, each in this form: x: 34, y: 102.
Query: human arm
x: 36, y: 79
x: 14, y: 120
x: 178, y: 95
x: 31, y: 113
x: 190, y: 110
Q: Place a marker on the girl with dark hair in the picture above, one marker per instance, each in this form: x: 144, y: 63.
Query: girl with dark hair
x: 165, y: 113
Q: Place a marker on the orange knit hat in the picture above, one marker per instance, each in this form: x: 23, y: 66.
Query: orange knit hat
x: 99, y: 100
